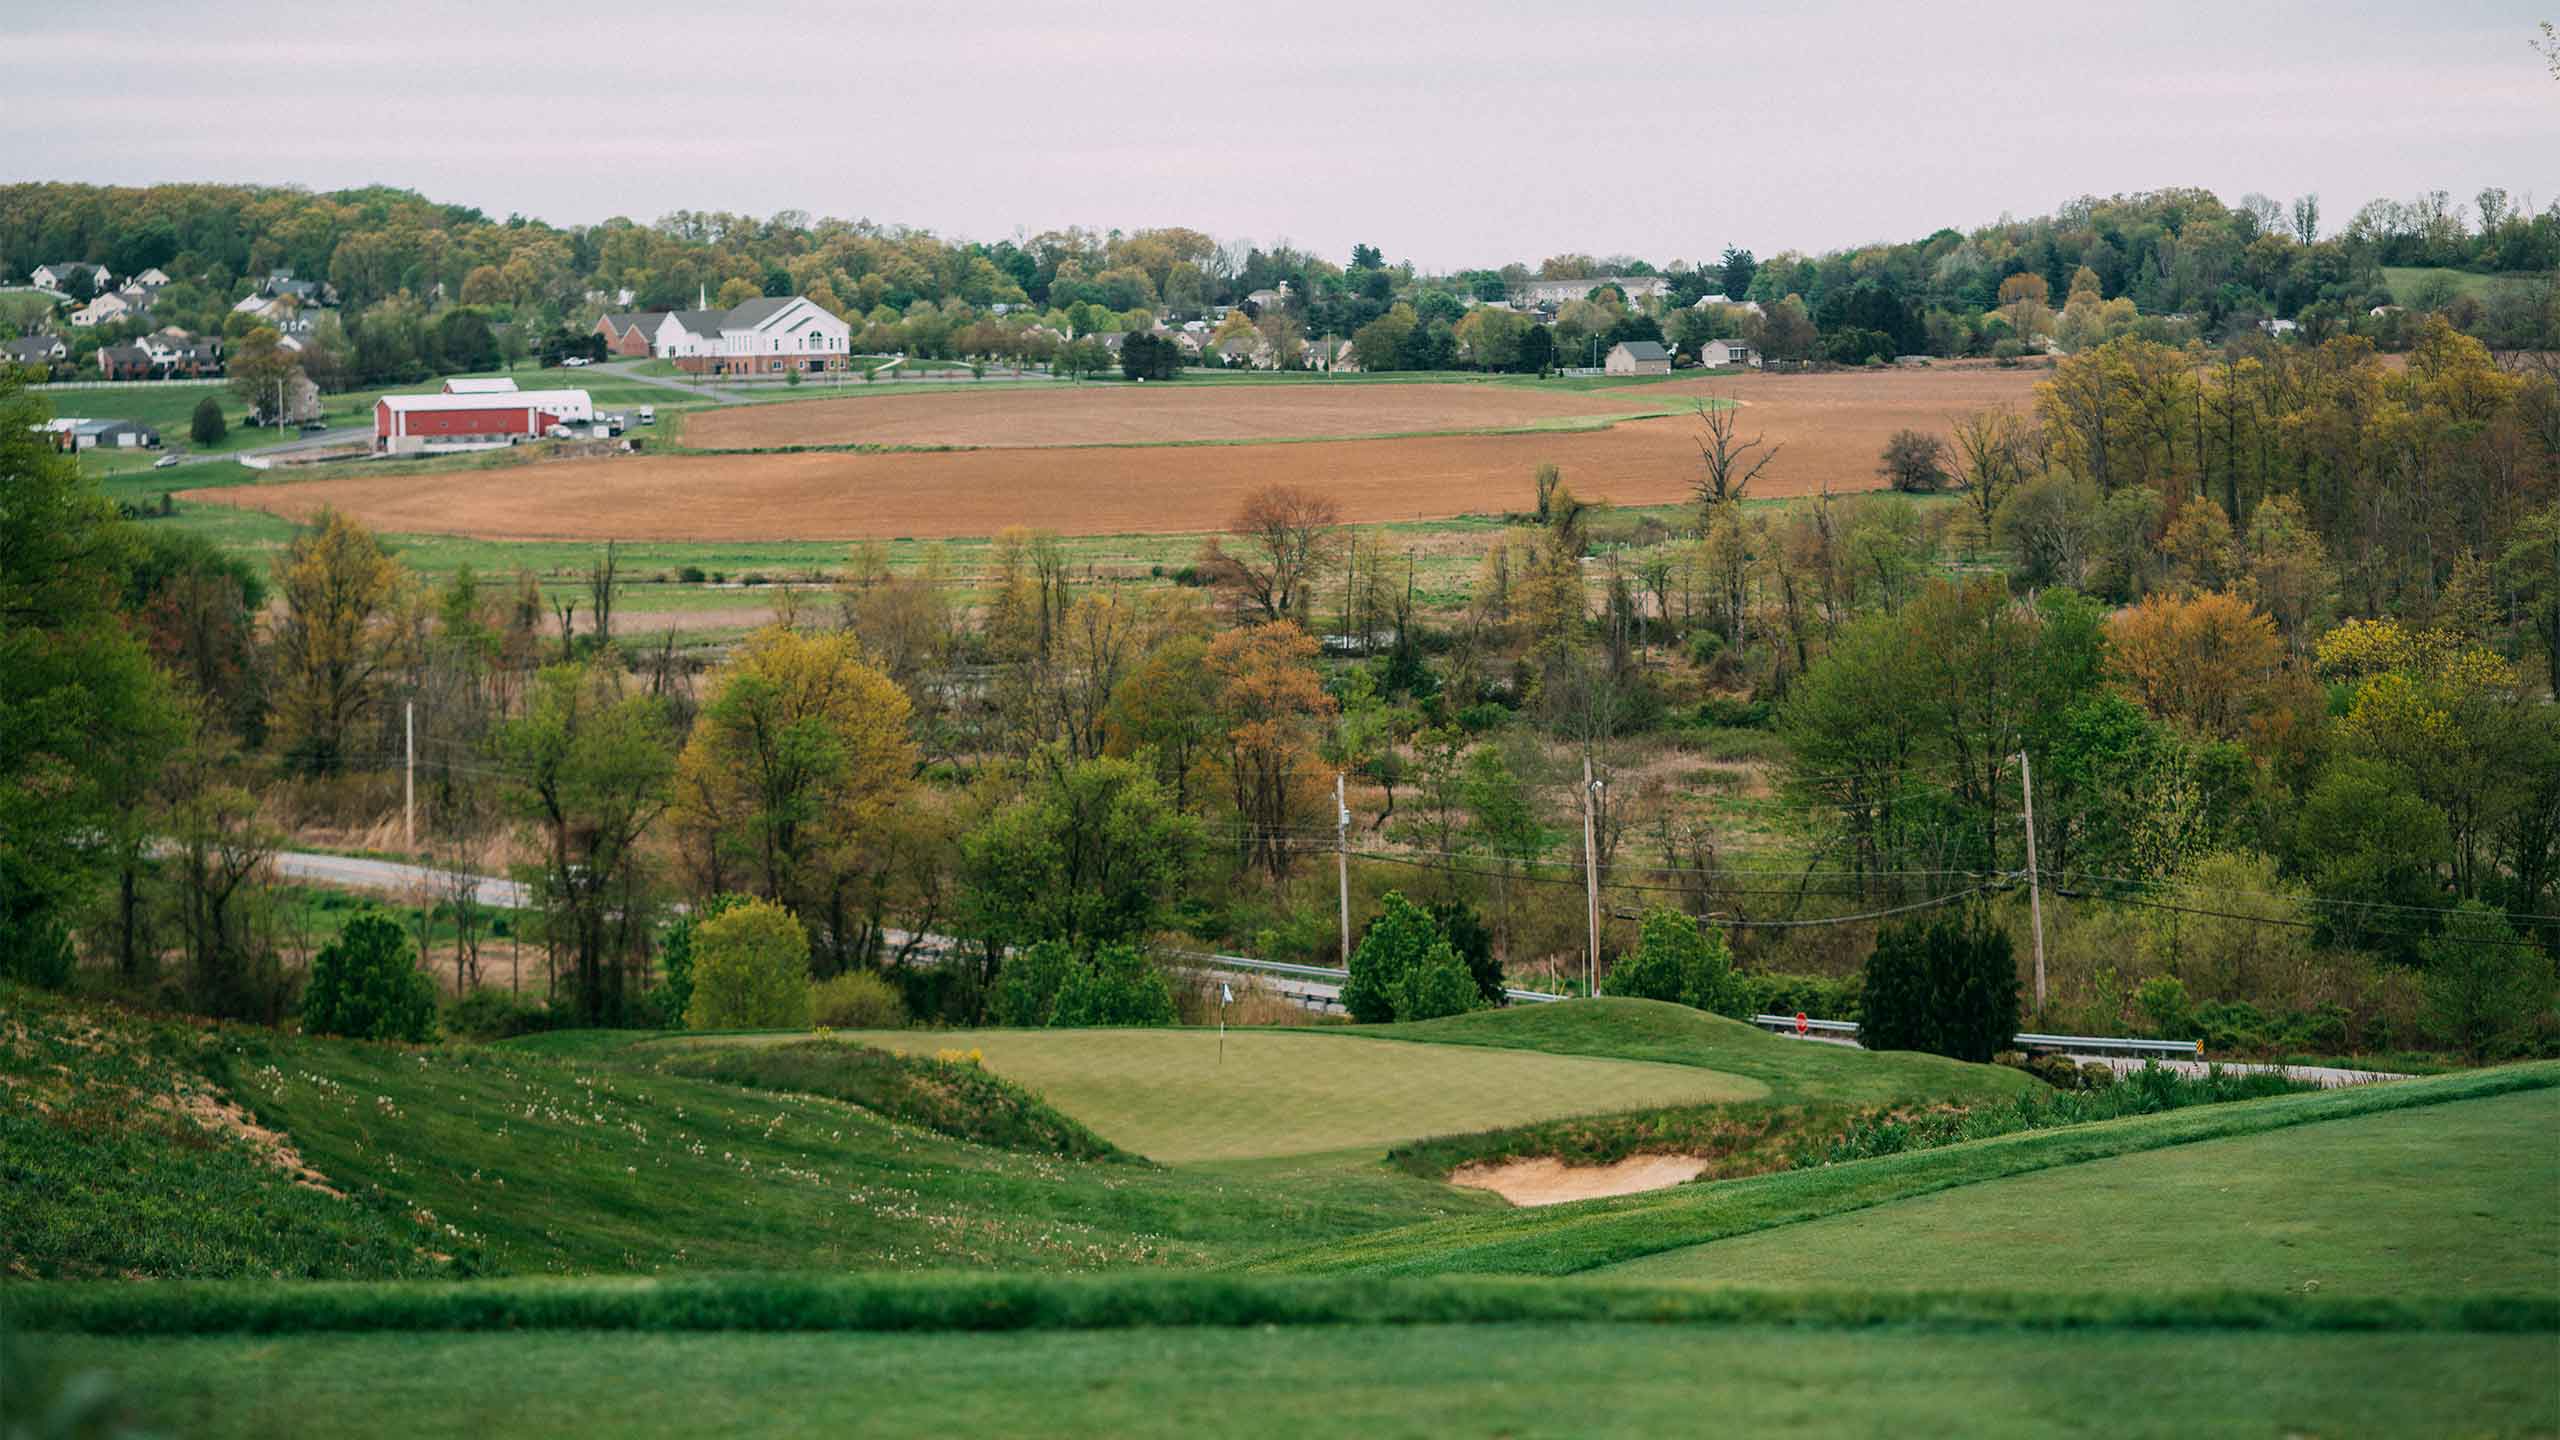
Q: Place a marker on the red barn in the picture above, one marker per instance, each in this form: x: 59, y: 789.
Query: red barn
x: 406, y: 424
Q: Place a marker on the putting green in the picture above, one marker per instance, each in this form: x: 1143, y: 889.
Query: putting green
x: 1170, y: 1096
x: 2451, y: 1199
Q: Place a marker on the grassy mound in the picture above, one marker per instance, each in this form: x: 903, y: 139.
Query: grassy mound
x: 121, y: 1156
x: 1172, y: 1095
x: 1568, y: 1239
x: 953, y: 1097
x: 2447, y: 1200
x: 1795, y: 1071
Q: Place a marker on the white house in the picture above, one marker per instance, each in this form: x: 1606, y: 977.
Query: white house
x: 572, y: 406
x: 57, y: 276
x: 1717, y: 354
x: 765, y: 336
x: 155, y: 277
x: 1556, y: 292
x: 101, y: 310
x: 1727, y: 301
x: 1637, y: 357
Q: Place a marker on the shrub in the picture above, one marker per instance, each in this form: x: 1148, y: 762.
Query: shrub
x: 2163, y: 1002
x: 1400, y: 940
x: 673, y: 994
x: 1026, y: 990
x: 1473, y: 943
x: 1949, y: 987
x: 206, y: 426
x: 750, y: 970
x: 366, y: 985
x: 1914, y: 462
x: 856, y: 1000
x: 1116, y: 987
x: 1817, y: 997
x: 1704, y: 647
x: 1675, y: 961
x: 496, y: 1015
x: 1480, y: 718
x: 1728, y: 713
x: 691, y: 575
x: 1438, y: 986
x: 2486, y: 989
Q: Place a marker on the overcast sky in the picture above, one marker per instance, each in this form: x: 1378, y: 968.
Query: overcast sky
x: 1446, y: 133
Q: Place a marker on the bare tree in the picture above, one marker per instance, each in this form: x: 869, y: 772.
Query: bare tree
x: 600, y: 588
x: 1285, y: 537
x: 1731, y: 463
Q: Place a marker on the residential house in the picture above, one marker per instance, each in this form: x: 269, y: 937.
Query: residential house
x: 2279, y: 328
x: 1265, y: 299
x: 124, y: 362
x: 57, y: 277
x: 1541, y: 293
x: 630, y: 332
x: 153, y: 278
x: 45, y: 350
x: 1637, y: 357
x: 765, y: 336
x: 1728, y: 302
x: 104, y: 308
x: 176, y: 353
x: 1719, y: 354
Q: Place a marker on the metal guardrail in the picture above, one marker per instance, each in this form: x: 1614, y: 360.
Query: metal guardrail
x: 1329, y: 974
x: 2024, y: 1040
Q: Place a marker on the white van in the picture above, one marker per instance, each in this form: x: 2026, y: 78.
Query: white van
x: 648, y: 414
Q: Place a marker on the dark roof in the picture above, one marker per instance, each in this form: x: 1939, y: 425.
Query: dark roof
x: 635, y: 319
x: 131, y: 354
x: 1643, y: 350
x: 34, y: 347
x: 701, y: 322
x: 759, y: 310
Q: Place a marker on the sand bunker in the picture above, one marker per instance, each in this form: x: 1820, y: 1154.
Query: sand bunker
x: 1546, y: 1181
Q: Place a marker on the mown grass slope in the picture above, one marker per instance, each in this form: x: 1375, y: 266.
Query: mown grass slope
x: 1569, y: 1239
x: 1170, y: 1096
x: 1518, y: 1380
x: 2455, y: 1199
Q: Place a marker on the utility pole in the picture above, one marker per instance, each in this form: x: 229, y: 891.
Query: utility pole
x: 1591, y: 878
x: 1342, y: 861
x: 2035, y: 891
x: 409, y: 773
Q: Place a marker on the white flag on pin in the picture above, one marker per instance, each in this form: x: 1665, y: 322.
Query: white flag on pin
x: 1226, y: 996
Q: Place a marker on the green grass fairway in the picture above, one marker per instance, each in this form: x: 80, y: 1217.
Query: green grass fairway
x: 1429, y: 1380
x: 1166, y: 1095
x: 2459, y: 1199
x: 1569, y: 1239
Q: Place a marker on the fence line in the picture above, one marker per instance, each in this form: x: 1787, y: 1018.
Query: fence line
x: 123, y: 384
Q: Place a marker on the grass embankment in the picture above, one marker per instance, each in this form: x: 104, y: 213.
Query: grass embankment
x: 510, y: 1161
x: 2449, y: 1200
x: 1418, y: 1379
x: 1170, y: 1095
x: 954, y: 1097
x: 1568, y: 1239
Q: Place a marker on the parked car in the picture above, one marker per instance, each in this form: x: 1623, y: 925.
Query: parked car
x: 164, y: 462
x: 574, y: 361
x: 314, y: 427
x: 648, y: 414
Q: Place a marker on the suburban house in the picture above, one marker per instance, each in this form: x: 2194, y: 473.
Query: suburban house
x: 152, y: 278
x: 175, y: 352
x: 414, y: 424
x: 1544, y: 293
x: 110, y: 306
x: 630, y: 333
x: 57, y: 277
x: 1265, y: 299
x: 1637, y: 357
x: 765, y: 336
x: 124, y: 362
x: 1718, y: 354
x: 2279, y: 328
x: 499, y: 386
x: 34, y: 350
x: 1727, y: 301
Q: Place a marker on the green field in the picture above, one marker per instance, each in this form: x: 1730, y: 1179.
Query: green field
x: 2405, y: 280
x: 1571, y: 1239
x: 1510, y: 1380
x: 1304, y: 1092
x: 2454, y: 1199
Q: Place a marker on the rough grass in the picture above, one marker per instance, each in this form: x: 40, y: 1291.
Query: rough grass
x: 1521, y: 1380
x: 1567, y: 1239
x: 2448, y: 1200
x: 1171, y: 1096
x: 117, y: 1160
x: 954, y: 1097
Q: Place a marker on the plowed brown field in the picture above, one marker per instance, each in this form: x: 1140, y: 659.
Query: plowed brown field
x: 1830, y: 427
x: 1144, y: 414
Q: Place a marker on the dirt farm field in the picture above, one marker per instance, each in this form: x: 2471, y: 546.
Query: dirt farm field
x: 1155, y: 414
x: 1831, y: 428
